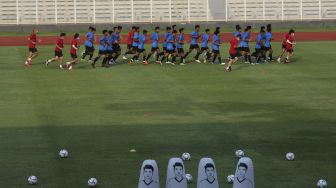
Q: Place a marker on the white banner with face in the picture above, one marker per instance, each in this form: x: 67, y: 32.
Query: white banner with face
x: 149, y: 175
x: 207, y: 175
x: 244, y: 177
x: 176, y: 174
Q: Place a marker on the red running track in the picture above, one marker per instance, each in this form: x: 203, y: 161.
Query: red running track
x: 49, y: 40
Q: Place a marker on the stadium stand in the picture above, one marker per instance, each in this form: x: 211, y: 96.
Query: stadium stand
x: 111, y: 11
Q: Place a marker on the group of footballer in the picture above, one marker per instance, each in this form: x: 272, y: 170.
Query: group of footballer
x: 172, y: 47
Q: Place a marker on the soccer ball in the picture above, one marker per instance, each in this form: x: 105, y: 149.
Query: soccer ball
x: 321, y: 183
x: 63, y: 153
x: 230, y: 178
x: 186, y: 156
x: 240, y: 153
x: 32, y: 180
x: 189, y: 178
x: 290, y: 156
x: 92, y: 182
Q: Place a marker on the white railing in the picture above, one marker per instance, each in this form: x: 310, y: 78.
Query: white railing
x: 119, y: 11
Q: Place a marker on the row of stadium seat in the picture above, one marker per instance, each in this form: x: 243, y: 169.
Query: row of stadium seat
x: 101, y: 11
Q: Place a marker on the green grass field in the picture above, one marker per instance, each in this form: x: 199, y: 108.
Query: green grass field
x: 100, y: 114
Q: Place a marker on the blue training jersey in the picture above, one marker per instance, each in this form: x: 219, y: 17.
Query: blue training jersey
x: 194, y: 36
x: 215, y: 43
x: 259, y: 38
x: 109, y: 43
x: 89, y: 39
x: 180, y: 40
x: 142, y: 40
x: 155, y: 40
x: 135, y: 37
x: 102, y: 43
x: 165, y: 36
x: 116, y: 38
x: 268, y: 36
x: 170, y: 42
x: 236, y: 33
x: 205, y: 40
x: 244, y: 38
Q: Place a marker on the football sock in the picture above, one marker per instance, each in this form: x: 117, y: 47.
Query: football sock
x: 95, y: 59
x: 197, y: 55
x: 214, y: 58
x: 104, y: 61
x: 208, y: 55
x: 181, y: 59
x: 249, y: 58
x: 149, y: 55
x: 174, y: 58
x: 186, y: 55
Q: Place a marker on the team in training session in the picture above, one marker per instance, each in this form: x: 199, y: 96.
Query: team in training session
x: 173, y: 43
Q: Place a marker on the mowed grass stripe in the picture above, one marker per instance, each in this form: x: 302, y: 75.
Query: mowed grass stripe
x: 99, y: 114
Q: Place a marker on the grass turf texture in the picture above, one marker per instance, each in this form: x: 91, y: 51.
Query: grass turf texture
x: 100, y: 114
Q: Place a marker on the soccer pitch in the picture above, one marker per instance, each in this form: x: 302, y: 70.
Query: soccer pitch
x: 100, y: 114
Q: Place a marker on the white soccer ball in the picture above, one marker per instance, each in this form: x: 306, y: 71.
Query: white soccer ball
x: 321, y: 183
x: 63, y: 153
x: 290, y: 156
x: 186, y: 156
x: 239, y: 153
x: 189, y: 178
x: 230, y: 178
x: 92, y: 182
x: 32, y: 180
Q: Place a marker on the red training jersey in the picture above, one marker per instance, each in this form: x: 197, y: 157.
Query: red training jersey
x: 32, y: 40
x: 233, y: 45
x: 290, y: 39
x: 285, y: 39
x: 60, y: 44
x: 130, y: 37
x: 72, y: 49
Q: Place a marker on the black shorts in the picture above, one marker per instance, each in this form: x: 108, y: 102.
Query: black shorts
x: 32, y: 50
x: 215, y: 51
x: 89, y: 49
x: 141, y: 50
x: 129, y: 46
x: 234, y: 55
x: 283, y: 46
x: 258, y: 50
x: 116, y: 48
x: 109, y: 52
x: 180, y: 50
x: 194, y: 46
x: 164, y: 48
x: 135, y: 48
x: 245, y: 49
x: 268, y: 48
x: 101, y: 52
x: 154, y: 49
x: 58, y: 54
x: 204, y: 48
x: 73, y: 56
x: 171, y: 51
